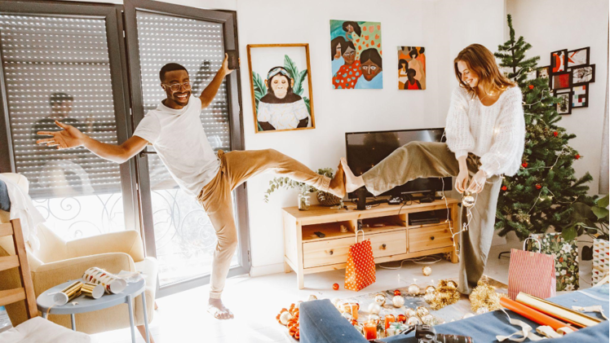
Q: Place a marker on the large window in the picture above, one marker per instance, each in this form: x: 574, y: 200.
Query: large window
x: 95, y: 66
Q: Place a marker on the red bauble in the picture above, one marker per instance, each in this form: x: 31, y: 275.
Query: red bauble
x: 524, y: 164
x: 402, y: 318
x: 336, y: 286
x: 577, y: 156
x: 531, y: 86
x: 504, y: 188
x: 555, y: 133
x: 397, y: 293
x: 538, y: 186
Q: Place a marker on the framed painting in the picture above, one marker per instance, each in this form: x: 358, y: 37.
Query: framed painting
x: 578, y: 57
x: 543, y: 72
x: 411, y: 67
x: 280, y: 81
x: 583, y: 75
x: 565, y: 101
x: 559, y: 61
x: 580, y: 96
x: 355, y: 48
x: 560, y: 80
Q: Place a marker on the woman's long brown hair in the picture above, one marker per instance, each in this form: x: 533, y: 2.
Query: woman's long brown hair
x: 483, y: 63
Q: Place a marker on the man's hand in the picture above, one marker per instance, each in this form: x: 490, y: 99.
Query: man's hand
x: 69, y: 137
x: 478, y: 182
x: 461, y: 180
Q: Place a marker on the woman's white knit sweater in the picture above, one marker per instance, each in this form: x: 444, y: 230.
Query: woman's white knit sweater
x: 495, y: 133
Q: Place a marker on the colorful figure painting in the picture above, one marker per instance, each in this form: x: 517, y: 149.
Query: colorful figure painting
x: 411, y: 67
x: 355, y: 53
x: 281, y: 87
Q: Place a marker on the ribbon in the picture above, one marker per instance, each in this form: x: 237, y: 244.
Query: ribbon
x: 595, y: 308
x: 525, y: 332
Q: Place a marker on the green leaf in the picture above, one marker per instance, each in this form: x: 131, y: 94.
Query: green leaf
x: 600, y: 212
x: 259, y: 86
x: 603, y: 202
x: 569, y: 233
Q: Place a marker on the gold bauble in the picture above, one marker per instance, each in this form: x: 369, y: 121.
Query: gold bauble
x: 426, y: 271
x: 413, y: 321
x: 430, y: 290
x: 413, y: 290
x: 398, y: 301
x: 410, y: 313
x: 428, y: 319
x: 380, y: 299
x: 422, y: 311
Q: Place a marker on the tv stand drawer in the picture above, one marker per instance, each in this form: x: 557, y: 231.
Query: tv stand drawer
x: 430, y: 237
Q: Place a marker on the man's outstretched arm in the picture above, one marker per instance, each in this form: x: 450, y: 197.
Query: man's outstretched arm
x: 208, y: 94
x: 71, y: 137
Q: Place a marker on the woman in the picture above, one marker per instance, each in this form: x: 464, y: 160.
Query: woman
x: 281, y: 108
x: 403, y: 76
x: 485, y: 138
x: 337, y: 48
x: 348, y: 74
x: 351, y: 27
x: 372, y: 71
x: 412, y: 83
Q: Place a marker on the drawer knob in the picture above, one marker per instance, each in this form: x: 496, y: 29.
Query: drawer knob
x: 431, y: 238
x: 330, y: 252
x: 383, y: 246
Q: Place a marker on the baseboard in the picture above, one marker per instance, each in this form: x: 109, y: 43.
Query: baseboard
x: 267, y: 269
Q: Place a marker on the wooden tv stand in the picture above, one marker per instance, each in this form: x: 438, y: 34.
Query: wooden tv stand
x: 391, y: 236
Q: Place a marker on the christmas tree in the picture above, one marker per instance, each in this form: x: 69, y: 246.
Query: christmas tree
x: 542, y: 193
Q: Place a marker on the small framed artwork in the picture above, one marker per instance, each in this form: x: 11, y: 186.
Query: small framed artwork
x: 560, y: 80
x: 565, y: 101
x: 543, y: 72
x: 578, y: 57
x: 583, y: 74
x: 280, y: 81
x: 580, y: 96
x: 411, y: 67
x: 559, y: 61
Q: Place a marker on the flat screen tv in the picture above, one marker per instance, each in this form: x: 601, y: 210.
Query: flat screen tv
x: 366, y: 149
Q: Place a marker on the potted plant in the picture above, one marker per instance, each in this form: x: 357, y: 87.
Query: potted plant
x: 325, y: 199
x: 591, y: 219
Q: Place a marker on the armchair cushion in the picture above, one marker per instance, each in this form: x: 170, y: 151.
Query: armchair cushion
x: 128, y: 242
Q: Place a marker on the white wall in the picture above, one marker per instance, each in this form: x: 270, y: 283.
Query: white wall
x: 551, y: 25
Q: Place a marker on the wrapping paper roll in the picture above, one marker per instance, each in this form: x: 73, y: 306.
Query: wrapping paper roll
x: 92, y: 290
x: 532, y: 314
x: 110, y: 282
x: 68, y: 293
x: 557, y: 311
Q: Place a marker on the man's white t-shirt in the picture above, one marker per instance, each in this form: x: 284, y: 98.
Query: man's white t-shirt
x: 181, y: 143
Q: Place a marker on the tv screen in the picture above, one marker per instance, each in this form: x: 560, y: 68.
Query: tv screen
x: 366, y: 149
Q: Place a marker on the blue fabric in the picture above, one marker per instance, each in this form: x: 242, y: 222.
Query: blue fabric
x: 320, y: 322
x: 5, y: 201
x: 482, y: 328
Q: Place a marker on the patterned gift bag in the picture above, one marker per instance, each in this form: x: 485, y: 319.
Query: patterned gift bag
x: 600, y: 260
x: 566, y: 257
x: 532, y: 273
x: 360, y: 270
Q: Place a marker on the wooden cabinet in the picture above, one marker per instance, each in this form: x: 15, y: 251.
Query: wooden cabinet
x: 319, y: 239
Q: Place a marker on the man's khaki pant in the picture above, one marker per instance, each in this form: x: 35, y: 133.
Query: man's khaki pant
x: 432, y: 159
x: 236, y: 167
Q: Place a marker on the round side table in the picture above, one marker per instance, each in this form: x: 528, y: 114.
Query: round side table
x: 84, y: 304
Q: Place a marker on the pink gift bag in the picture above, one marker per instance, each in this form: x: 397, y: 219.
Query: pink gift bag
x: 532, y: 273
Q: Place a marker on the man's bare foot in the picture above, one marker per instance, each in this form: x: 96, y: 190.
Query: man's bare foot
x: 352, y: 182
x: 337, y: 184
x: 218, y: 310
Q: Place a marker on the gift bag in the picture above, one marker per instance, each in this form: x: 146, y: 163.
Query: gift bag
x: 600, y: 260
x: 532, y: 273
x: 566, y: 257
x: 360, y: 270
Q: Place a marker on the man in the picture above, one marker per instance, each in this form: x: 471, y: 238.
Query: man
x: 174, y: 129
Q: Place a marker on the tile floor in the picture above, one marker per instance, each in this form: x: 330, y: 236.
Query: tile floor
x: 256, y: 301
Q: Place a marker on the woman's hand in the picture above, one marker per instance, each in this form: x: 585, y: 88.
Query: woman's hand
x: 478, y: 182
x: 69, y: 137
x: 461, y: 180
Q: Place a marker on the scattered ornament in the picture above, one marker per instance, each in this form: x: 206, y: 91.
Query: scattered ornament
x: 401, y: 318
x: 446, y: 294
x: 413, y: 290
x: 422, y: 311
x: 468, y: 315
x: 336, y: 286
x: 429, y: 298
x: 482, y: 310
x: 430, y: 290
x: 374, y: 308
x: 428, y: 319
x: 410, y: 313
x: 397, y: 292
x: 413, y: 321
x: 468, y: 201
x: 485, y: 296
x: 426, y: 270
x: 398, y: 301
x: 380, y: 299
x: 285, y: 317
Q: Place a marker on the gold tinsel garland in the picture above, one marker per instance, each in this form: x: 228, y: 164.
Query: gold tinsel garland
x: 446, y: 294
x: 485, y: 296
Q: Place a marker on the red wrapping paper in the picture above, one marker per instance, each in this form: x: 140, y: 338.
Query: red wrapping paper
x: 533, y: 315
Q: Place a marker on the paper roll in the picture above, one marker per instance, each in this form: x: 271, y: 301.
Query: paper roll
x: 92, y: 290
x: 532, y: 314
x: 110, y: 282
x: 72, y: 291
x: 557, y: 311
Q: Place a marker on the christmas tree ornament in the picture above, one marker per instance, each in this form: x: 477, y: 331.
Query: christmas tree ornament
x: 409, y: 312
x: 531, y: 87
x: 426, y: 271
x: 504, y: 188
x: 401, y: 318
x: 428, y: 319
x: 555, y: 133
x: 397, y: 292
x: 421, y: 311
x: 380, y: 299
x: 413, y: 321
x: 374, y: 308
x: 413, y: 290
x: 398, y: 301
x: 577, y: 156
x: 524, y: 164
x: 468, y: 200
x: 429, y: 297
x: 336, y: 286
x: 430, y: 290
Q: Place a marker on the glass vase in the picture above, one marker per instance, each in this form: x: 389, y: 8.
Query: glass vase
x: 303, y: 202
